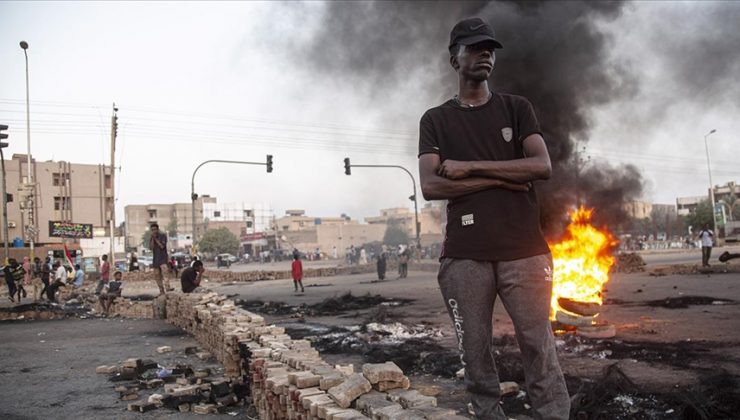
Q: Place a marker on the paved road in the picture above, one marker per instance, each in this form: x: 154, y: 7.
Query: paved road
x: 682, y: 256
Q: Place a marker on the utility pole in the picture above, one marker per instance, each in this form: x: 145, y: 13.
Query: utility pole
x: 30, y: 188
x: 113, y: 134
x: 5, y: 194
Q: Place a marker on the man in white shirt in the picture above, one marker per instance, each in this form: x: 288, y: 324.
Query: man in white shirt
x: 60, y: 280
x: 707, y: 241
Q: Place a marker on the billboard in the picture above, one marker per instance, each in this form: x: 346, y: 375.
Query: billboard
x: 59, y: 229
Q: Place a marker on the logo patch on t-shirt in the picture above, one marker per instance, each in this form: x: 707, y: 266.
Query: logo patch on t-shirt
x: 508, y: 133
x: 467, y: 220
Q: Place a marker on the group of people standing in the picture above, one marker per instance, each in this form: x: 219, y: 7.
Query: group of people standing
x: 403, y: 255
x: 45, y: 277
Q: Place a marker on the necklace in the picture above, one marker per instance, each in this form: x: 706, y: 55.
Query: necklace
x: 463, y: 104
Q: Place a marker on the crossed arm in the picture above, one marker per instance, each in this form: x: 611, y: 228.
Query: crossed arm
x: 451, y: 178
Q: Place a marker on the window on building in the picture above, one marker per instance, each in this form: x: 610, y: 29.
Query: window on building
x: 249, y: 223
x: 61, y: 203
x: 152, y: 214
x: 247, y: 213
x: 107, y: 182
x: 216, y: 214
x: 58, y: 179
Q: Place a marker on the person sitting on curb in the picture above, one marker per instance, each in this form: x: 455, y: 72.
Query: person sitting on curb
x: 110, y: 292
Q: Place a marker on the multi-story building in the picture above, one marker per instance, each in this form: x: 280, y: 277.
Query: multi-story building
x: 63, y: 192
x: 726, y: 195
x: 239, y: 218
x: 431, y: 221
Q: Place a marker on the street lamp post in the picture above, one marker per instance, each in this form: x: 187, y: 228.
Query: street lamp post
x: 31, y: 228
x: 348, y: 165
x: 711, y: 184
x: 194, y: 196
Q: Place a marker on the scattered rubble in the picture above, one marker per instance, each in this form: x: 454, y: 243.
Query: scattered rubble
x: 683, y: 302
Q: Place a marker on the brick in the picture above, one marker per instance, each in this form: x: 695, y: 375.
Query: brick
x: 414, y: 399
x: 106, y: 369
x: 436, y: 413
x: 204, y: 408
x: 387, y: 372
x: 204, y: 355
x: 382, y: 386
x: 346, y: 392
x: 369, y: 403
x: 349, y: 415
x: 184, y: 407
x: 130, y: 397
x: 155, y: 399
x: 164, y: 349
x: 508, y: 388
x: 331, y: 380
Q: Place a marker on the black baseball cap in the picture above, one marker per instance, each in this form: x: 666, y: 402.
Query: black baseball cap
x: 472, y: 31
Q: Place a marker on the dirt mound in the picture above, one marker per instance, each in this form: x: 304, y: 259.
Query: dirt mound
x: 629, y: 263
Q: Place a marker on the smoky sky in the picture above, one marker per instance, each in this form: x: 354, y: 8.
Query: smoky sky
x: 554, y: 54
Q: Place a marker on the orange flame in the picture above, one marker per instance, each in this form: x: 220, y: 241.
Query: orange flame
x: 581, y: 261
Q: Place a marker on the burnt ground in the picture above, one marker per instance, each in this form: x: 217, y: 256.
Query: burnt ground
x: 676, y: 354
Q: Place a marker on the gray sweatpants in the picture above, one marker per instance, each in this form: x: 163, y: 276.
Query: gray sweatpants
x: 469, y: 289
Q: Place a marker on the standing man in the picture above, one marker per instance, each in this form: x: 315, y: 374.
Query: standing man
x: 481, y: 150
x: 11, y: 271
x: 158, y: 245
x: 46, y: 275
x: 104, y: 275
x: 706, y: 236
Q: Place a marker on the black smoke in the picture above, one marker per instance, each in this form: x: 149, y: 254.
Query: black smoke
x: 554, y: 54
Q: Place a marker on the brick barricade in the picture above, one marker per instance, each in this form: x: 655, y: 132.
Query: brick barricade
x: 287, y: 378
x: 226, y: 276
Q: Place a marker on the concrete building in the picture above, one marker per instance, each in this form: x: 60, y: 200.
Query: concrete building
x: 239, y: 218
x: 726, y: 195
x: 171, y: 218
x: 638, y: 209
x: 64, y: 192
x: 431, y: 221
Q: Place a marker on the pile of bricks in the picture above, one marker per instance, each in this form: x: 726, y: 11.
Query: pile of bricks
x: 185, y: 389
x: 287, y: 378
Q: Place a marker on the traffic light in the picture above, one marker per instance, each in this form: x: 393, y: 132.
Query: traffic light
x: 3, y: 136
x: 194, y: 197
x: 269, y: 163
x: 412, y: 197
x: 347, y: 167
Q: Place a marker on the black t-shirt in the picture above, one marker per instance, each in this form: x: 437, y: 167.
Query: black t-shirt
x: 495, y: 224
x: 187, y: 279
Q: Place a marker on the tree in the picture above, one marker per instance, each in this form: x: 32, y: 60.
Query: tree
x: 219, y: 241
x: 701, y: 215
x: 172, y: 227
x: 145, y: 238
x: 395, y: 234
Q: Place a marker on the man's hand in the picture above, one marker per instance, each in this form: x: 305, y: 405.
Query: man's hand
x: 454, y: 169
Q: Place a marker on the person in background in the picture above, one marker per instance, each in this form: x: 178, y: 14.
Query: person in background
x: 104, y: 274
x: 46, y: 275
x: 79, y: 276
x: 706, y: 236
x: 296, y: 269
x: 381, y: 265
x: 60, y: 280
x: 158, y: 245
x: 10, y: 272
x: 133, y: 263
x: 191, y: 277
x: 403, y: 262
x: 110, y: 292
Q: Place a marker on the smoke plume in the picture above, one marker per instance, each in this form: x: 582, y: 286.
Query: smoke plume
x: 554, y: 54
